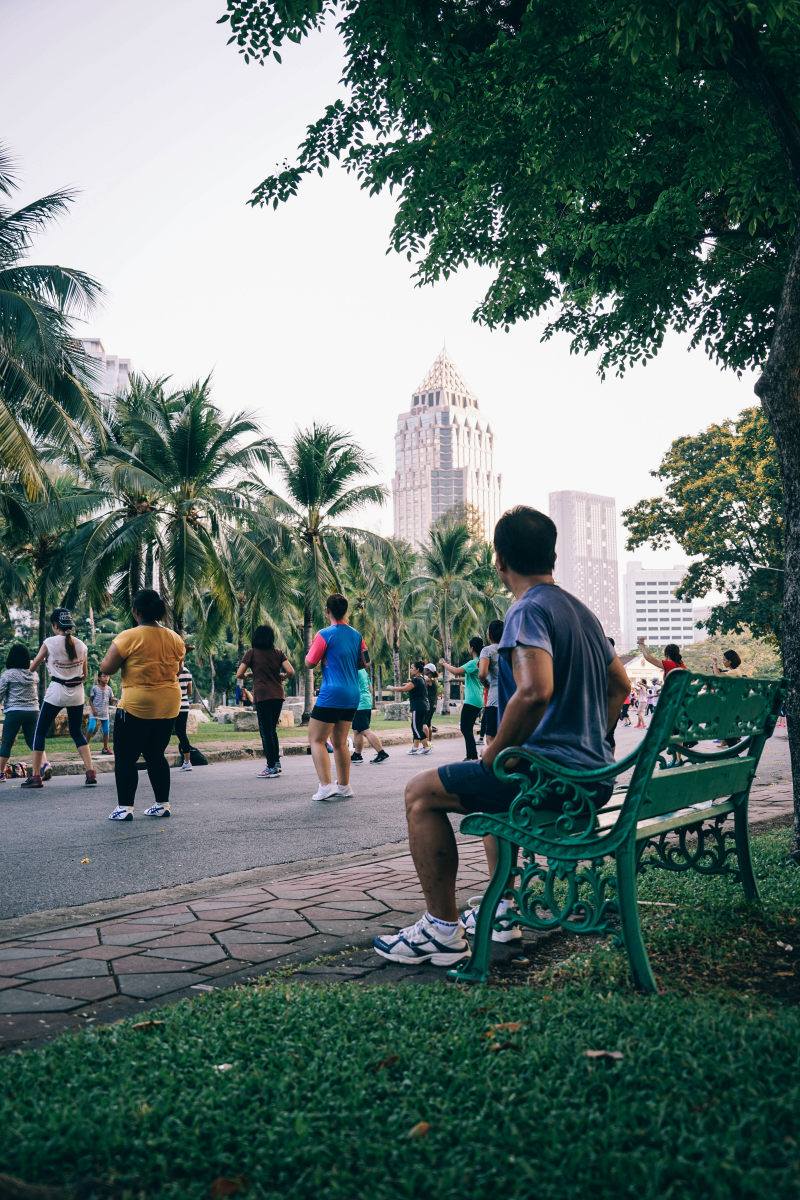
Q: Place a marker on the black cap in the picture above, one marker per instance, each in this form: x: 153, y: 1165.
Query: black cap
x: 62, y: 617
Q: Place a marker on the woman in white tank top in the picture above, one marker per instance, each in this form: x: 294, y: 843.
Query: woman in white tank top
x: 65, y: 657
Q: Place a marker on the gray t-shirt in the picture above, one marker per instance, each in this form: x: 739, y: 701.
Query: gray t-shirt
x: 490, y: 652
x: 573, y: 728
x: 100, y: 697
x: 19, y: 690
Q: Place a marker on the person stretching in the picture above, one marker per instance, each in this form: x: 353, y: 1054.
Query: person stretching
x: 20, y: 700
x: 149, y: 658
x: 473, y: 695
x: 418, y: 706
x: 341, y: 651
x: 66, y: 657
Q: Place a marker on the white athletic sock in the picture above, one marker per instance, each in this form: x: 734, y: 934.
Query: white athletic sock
x: 449, y: 926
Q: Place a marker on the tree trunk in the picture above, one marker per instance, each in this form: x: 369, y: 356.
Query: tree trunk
x: 308, y: 674
x: 447, y: 650
x: 779, y: 391
x: 42, y: 629
x: 92, y: 629
x: 397, y: 680
x: 212, y: 668
x: 149, y: 566
x: 377, y: 695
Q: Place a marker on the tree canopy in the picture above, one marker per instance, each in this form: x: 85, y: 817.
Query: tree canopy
x: 618, y: 159
x: 723, y: 505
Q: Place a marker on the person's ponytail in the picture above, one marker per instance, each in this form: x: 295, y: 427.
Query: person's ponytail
x: 70, y: 647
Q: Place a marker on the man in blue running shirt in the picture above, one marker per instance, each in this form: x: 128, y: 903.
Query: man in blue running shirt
x: 560, y: 691
x: 341, y: 651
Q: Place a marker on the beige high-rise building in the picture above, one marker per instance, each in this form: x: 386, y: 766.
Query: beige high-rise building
x: 114, y: 373
x: 586, y: 562
x: 444, y: 457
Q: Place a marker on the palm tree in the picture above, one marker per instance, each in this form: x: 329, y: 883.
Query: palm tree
x: 322, y: 473
x: 185, y: 482
x: 446, y: 580
x: 45, y: 378
x: 393, y: 573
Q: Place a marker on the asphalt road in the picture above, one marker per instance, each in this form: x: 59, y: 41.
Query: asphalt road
x: 225, y: 820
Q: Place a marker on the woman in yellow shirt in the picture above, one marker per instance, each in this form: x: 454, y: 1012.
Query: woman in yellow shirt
x: 149, y: 658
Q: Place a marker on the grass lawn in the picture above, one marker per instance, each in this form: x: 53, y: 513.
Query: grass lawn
x: 211, y: 732
x: 351, y: 1090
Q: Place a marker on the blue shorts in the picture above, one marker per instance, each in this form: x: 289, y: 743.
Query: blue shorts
x: 479, y: 789
x: 104, y: 724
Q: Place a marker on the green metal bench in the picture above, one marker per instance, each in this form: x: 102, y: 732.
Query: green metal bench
x: 670, y: 815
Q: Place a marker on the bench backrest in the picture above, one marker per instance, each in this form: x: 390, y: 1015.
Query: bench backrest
x: 697, y: 708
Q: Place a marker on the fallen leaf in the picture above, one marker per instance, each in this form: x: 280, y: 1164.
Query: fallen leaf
x: 147, y: 1024
x: 83, y: 860
x: 505, y: 1046
x: 614, y: 1055
x: 510, y: 1026
x: 387, y: 1062
x: 223, y: 1186
x: 421, y: 1129
x: 223, y: 1067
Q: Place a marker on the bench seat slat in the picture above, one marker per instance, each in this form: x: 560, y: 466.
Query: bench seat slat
x: 681, y: 787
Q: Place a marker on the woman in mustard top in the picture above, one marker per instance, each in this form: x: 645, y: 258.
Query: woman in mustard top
x: 149, y: 658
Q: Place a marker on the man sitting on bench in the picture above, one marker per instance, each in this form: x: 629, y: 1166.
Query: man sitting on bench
x: 560, y: 691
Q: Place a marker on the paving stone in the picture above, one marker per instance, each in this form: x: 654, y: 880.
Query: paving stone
x: 244, y: 936
x: 228, y: 914
x: 256, y: 953
x: 147, y: 987
x: 107, y: 952
x: 225, y: 967
x: 7, y: 983
x: 186, y: 939
x: 144, y: 934
x: 190, y: 954
x: 286, y: 931
x: 346, y: 929
x: 23, y: 965
x: 143, y: 964
x: 270, y: 914
x: 30, y: 1027
x: 342, y: 912
x: 80, y: 989
x: 72, y: 968
x: 165, y: 922
x: 59, y: 934
x: 19, y: 1000
x: 18, y: 953
x: 69, y: 944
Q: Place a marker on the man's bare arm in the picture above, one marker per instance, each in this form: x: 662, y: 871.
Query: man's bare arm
x: 533, y: 675
x: 619, y: 687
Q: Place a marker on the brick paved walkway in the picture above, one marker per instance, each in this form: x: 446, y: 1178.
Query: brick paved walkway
x: 67, y: 976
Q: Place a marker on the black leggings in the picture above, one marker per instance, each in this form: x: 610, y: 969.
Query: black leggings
x: 48, y: 713
x: 269, y: 712
x: 134, y: 736
x: 180, y: 731
x: 469, y: 713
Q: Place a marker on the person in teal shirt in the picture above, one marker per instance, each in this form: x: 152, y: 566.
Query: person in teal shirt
x: 361, y: 722
x: 473, y: 695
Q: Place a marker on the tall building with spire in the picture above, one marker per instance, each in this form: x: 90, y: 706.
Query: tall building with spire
x: 444, y: 457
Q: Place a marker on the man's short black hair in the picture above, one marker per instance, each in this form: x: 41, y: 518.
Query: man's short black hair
x: 336, y: 606
x: 526, y: 539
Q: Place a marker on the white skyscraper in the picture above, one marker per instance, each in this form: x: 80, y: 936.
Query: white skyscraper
x: 115, y: 371
x: 444, y: 457
x: 586, y: 563
x: 652, y: 610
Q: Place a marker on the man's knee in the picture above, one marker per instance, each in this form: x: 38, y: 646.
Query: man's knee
x: 424, y: 794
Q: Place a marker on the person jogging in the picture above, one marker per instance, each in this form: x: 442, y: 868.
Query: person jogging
x: 149, y: 658
x: 270, y: 667
x: 361, y: 724
x: 66, y: 658
x: 340, y: 650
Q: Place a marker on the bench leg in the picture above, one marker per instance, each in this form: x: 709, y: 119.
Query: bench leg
x: 476, y: 968
x: 741, y: 833
x: 641, y: 970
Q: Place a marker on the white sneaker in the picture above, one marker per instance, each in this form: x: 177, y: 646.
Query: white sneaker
x: 186, y: 766
x: 426, y: 750
x: 344, y: 790
x: 158, y: 810
x: 412, y: 751
x: 424, y: 942
x: 325, y: 791
x: 507, y: 932
x: 121, y: 814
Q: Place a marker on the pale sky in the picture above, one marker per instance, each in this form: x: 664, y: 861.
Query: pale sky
x: 299, y: 313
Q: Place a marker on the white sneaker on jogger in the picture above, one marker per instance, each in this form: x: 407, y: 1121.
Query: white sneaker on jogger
x: 424, y: 942
x: 325, y: 791
x: 506, y: 933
